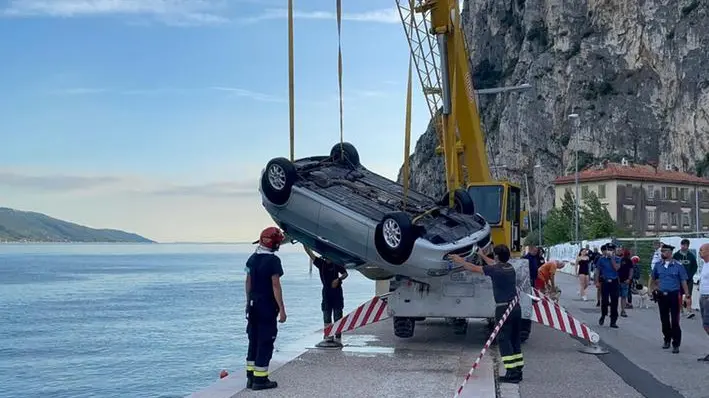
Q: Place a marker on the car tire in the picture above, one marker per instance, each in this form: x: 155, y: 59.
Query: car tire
x: 462, y: 201
x: 277, y: 180
x: 404, y: 327
x: 351, y: 156
x: 394, y: 237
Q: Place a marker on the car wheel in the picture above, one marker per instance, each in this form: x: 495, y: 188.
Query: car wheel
x: 394, y: 237
x: 462, y: 201
x: 351, y: 156
x: 277, y: 180
x: 404, y: 327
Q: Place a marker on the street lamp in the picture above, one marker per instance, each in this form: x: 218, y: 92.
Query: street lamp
x: 539, y: 209
x: 573, y: 117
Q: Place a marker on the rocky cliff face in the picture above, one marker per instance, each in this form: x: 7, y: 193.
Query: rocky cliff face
x: 636, y: 73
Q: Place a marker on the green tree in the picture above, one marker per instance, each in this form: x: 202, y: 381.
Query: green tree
x: 568, y: 206
x: 597, y: 221
x: 557, y: 228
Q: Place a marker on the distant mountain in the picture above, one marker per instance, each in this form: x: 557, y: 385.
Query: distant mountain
x: 25, y: 226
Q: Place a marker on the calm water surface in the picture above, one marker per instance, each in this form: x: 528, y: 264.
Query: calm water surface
x: 137, y: 320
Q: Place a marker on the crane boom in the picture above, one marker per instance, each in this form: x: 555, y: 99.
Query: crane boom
x: 437, y: 44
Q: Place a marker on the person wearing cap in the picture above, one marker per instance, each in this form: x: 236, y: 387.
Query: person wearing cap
x: 607, y: 280
x: 264, y: 304
x: 669, y: 280
x: 687, y: 258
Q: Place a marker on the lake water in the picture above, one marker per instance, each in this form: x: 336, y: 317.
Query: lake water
x: 157, y: 320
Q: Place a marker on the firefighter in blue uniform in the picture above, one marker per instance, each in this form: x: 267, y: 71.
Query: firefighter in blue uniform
x: 264, y: 304
x: 504, y: 291
x: 669, y: 280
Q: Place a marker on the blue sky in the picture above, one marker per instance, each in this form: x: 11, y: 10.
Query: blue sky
x: 156, y: 116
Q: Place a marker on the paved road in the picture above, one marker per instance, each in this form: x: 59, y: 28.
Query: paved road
x: 636, y: 355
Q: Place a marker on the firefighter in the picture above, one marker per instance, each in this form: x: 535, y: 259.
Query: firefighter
x: 264, y: 303
x: 333, y: 300
x: 669, y: 280
x: 504, y: 290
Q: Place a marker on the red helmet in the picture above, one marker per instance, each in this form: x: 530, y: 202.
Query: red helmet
x: 271, y: 238
x: 635, y: 259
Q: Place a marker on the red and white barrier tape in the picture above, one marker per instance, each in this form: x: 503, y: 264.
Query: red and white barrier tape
x: 487, y: 344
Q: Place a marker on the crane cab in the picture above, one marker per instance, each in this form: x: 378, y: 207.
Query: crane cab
x: 499, y: 203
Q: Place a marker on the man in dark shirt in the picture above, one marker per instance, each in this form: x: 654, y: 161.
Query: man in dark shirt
x: 333, y: 300
x: 607, y: 280
x: 625, y: 278
x: 689, y: 261
x: 669, y: 279
x: 534, y: 258
x: 264, y: 303
x: 504, y: 290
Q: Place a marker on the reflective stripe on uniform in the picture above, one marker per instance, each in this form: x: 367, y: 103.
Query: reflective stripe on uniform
x: 260, y: 371
x: 250, y: 366
x: 513, y: 361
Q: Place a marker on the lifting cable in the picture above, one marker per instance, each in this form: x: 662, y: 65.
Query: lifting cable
x: 291, y: 95
x: 339, y: 72
x: 407, y: 131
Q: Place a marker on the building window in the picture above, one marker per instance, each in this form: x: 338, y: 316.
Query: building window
x: 584, y: 191
x: 664, y: 218
x: 568, y: 190
x: 686, y: 220
x: 705, y: 220
x: 651, y: 192
x: 675, y: 219
x: 628, y: 215
x: 629, y: 191
x: 650, y: 216
x: 684, y: 194
x: 601, y: 191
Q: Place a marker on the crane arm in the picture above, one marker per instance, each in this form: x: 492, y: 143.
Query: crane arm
x: 437, y: 42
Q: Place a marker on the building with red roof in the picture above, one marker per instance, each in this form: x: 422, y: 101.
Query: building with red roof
x: 643, y: 198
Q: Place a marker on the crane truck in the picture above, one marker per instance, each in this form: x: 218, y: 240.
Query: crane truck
x: 437, y: 43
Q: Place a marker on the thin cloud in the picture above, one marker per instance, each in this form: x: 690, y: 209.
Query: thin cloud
x: 217, y: 189
x: 174, y: 12
x: 386, y: 15
x: 63, y: 183
x: 231, y: 91
x: 55, y: 182
x: 240, y: 92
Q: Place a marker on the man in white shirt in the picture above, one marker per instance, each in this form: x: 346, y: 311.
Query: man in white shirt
x: 657, y: 255
x: 704, y: 291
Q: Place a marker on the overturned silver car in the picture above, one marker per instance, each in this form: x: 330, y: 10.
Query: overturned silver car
x: 337, y: 207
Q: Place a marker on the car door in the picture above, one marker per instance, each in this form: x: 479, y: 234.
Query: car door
x: 344, y: 229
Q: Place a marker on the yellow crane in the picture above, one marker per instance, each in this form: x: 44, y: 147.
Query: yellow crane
x: 437, y: 42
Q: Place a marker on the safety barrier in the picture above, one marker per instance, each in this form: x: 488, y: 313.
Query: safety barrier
x: 370, y: 312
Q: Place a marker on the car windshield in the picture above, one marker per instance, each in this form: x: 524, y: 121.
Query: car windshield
x: 488, y: 202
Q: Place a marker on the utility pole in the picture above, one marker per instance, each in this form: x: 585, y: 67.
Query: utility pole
x: 573, y: 118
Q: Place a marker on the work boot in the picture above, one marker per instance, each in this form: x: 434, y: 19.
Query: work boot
x: 602, y: 320
x: 675, y: 350
x: 511, y: 376
x: 249, y: 378
x: 666, y: 345
x: 263, y: 383
x: 703, y: 359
